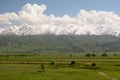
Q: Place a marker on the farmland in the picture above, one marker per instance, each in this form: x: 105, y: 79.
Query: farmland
x: 59, y: 67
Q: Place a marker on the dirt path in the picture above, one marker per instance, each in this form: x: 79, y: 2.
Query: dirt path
x: 107, y: 76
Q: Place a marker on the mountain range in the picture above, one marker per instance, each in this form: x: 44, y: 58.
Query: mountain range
x: 58, y: 43
x: 31, y: 20
x: 30, y: 30
x: 27, y: 30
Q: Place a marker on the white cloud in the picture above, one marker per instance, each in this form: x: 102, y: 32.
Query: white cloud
x: 32, y: 20
x: 7, y: 18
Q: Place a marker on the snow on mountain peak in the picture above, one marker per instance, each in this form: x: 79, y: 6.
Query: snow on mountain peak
x: 31, y: 20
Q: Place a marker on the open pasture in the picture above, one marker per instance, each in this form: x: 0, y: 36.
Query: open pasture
x: 59, y: 67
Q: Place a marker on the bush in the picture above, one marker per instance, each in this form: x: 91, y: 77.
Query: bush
x: 88, y: 55
x: 70, y: 55
x: 115, y: 54
x: 93, y: 64
x: 93, y: 55
x: 52, y: 62
x: 104, y: 54
x: 72, y: 62
x: 43, y: 67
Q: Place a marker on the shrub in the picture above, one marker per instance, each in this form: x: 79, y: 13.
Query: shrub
x: 70, y: 55
x: 93, y: 55
x: 52, y: 62
x: 93, y: 64
x: 104, y: 54
x: 115, y: 54
x: 72, y: 62
x: 43, y: 67
x: 88, y: 55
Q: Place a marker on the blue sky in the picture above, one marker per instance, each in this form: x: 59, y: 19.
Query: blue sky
x: 61, y: 7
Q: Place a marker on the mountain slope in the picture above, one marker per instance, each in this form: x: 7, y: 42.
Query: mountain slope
x: 58, y: 43
x: 27, y: 30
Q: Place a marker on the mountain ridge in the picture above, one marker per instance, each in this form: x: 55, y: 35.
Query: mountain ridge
x: 26, y: 30
x: 31, y: 20
x: 58, y: 43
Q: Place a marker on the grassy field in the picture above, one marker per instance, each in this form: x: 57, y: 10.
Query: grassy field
x: 59, y: 67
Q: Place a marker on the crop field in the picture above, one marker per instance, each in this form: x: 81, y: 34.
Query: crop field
x: 59, y: 67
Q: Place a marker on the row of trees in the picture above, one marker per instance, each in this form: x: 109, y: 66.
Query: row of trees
x: 94, y: 55
x: 87, y: 55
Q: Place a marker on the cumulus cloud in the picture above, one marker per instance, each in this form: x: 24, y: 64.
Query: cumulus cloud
x: 32, y: 20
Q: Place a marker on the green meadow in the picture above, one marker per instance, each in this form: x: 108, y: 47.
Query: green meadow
x: 59, y: 67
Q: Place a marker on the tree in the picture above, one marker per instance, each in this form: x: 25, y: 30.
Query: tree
x: 104, y: 54
x: 70, y: 55
x: 115, y: 54
x: 43, y: 67
x: 88, y: 55
x: 72, y: 62
x: 93, y: 64
x: 93, y: 55
x: 52, y: 62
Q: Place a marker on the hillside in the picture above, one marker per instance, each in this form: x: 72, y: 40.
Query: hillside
x: 58, y: 44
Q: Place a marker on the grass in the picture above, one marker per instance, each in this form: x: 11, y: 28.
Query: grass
x: 29, y: 67
x: 31, y: 72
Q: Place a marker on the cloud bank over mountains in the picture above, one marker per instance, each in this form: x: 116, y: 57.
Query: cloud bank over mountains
x: 31, y: 20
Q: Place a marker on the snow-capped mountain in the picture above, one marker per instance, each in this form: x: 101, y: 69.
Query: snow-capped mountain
x: 31, y: 20
x: 74, y: 30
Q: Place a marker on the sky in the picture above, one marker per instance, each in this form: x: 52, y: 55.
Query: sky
x: 60, y: 16
x: 62, y: 7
